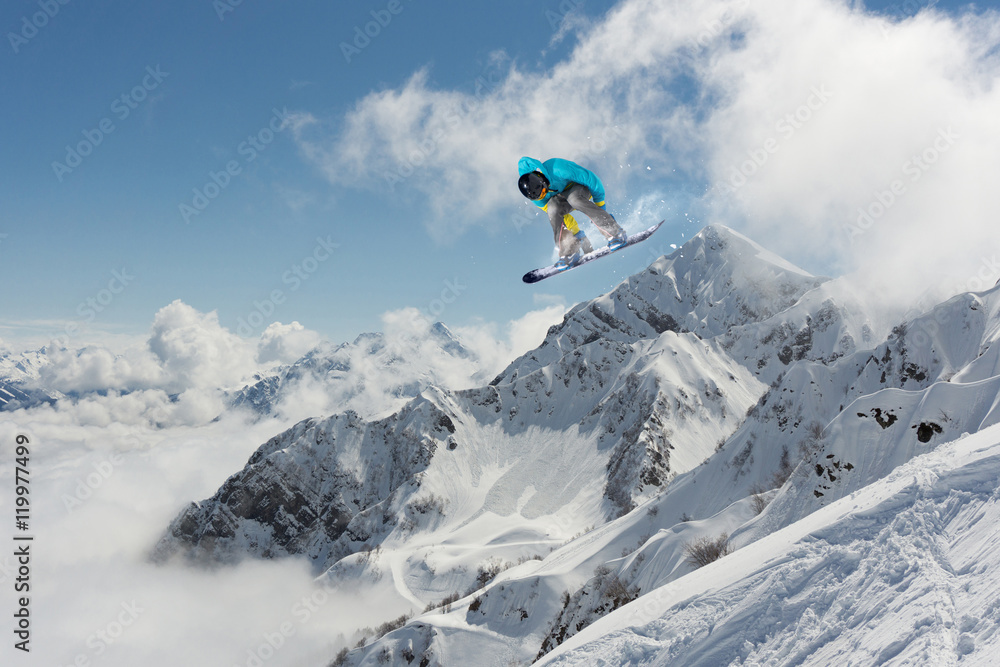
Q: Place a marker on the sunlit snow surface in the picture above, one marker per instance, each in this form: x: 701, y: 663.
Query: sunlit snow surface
x: 904, y: 571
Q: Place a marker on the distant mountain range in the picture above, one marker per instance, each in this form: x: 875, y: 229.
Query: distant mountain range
x: 373, y: 374
x: 19, y: 374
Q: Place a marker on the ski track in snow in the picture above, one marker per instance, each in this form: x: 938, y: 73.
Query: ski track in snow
x: 396, y: 562
x: 893, y: 574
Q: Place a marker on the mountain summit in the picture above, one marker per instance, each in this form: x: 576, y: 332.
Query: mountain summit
x: 630, y: 389
x: 718, y: 396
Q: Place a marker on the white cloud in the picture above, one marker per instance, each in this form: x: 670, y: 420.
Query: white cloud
x: 410, y: 334
x: 285, y: 343
x: 872, y: 140
x: 194, y: 350
x: 97, y: 368
x: 497, y: 346
x: 606, y: 105
x: 109, y: 492
x: 312, y: 397
x: 383, y: 372
x: 833, y: 102
x: 176, y: 376
x: 527, y: 332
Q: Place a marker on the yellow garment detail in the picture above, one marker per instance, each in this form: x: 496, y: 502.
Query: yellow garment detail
x: 570, y: 223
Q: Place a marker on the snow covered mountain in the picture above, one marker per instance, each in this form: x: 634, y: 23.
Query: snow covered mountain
x: 720, y: 395
x: 638, y: 403
x: 373, y: 375
x: 19, y: 373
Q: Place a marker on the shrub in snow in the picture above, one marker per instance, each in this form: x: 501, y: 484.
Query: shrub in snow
x: 758, y: 498
x: 784, y: 471
x: 487, y: 572
x: 613, y: 590
x: 705, y: 550
x: 341, y: 658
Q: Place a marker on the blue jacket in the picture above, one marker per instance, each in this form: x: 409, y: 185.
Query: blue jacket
x: 561, y: 174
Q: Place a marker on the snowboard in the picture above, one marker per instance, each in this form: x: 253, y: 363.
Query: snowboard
x: 551, y: 270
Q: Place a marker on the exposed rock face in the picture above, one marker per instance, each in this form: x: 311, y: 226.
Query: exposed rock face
x: 315, y: 490
x: 641, y: 376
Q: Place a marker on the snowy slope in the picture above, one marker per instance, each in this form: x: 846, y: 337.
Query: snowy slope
x: 880, y: 431
x: 900, y: 572
x: 905, y: 569
x: 843, y: 413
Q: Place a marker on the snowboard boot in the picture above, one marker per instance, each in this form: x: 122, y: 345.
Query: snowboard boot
x: 618, y: 240
x: 569, y: 261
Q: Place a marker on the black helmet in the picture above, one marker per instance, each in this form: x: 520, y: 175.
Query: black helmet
x: 533, y: 184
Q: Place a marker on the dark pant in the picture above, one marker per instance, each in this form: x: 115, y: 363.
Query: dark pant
x: 577, y: 198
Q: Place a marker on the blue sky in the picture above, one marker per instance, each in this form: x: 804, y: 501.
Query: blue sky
x: 169, y: 100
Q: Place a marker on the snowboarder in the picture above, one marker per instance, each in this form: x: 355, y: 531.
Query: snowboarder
x: 559, y: 186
